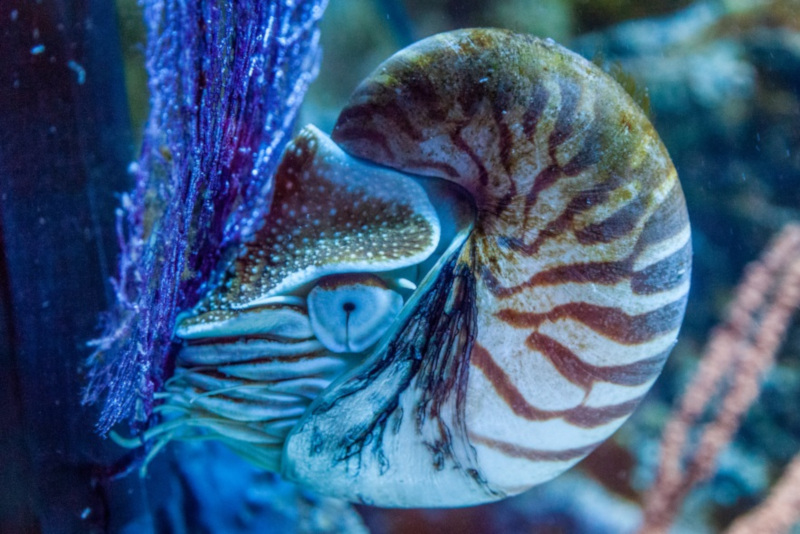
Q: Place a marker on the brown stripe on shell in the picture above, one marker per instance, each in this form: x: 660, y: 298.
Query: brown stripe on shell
x: 471, y: 93
x: 367, y: 135
x: 505, y: 141
x: 667, y: 220
x: 584, y: 375
x: 581, y: 202
x: 505, y: 388
x: 583, y: 416
x: 546, y: 178
x: 536, y: 104
x: 505, y: 201
x: 421, y: 96
x: 609, y: 322
x: 605, y: 273
x: 461, y: 144
x: 390, y: 110
x: 570, y: 92
x: 665, y: 274
x: 536, y: 455
x: 587, y: 156
x: 620, y: 223
x: 592, y: 417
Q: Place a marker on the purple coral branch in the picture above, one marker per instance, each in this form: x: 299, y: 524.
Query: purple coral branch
x: 226, y: 81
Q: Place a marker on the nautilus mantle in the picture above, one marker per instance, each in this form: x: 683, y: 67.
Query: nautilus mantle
x: 458, y: 295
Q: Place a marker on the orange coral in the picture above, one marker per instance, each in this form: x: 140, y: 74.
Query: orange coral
x: 734, y: 362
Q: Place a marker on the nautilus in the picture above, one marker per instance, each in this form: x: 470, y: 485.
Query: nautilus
x: 456, y: 296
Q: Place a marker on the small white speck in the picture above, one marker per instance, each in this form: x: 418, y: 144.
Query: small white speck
x: 406, y: 284
x: 79, y: 70
x: 86, y: 512
x: 38, y: 49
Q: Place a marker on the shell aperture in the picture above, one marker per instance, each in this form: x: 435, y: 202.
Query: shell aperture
x: 519, y: 210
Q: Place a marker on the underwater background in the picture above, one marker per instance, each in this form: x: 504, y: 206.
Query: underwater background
x: 720, y: 81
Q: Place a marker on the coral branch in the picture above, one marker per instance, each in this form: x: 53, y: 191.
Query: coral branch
x: 728, y: 378
x: 226, y: 81
x: 779, y: 511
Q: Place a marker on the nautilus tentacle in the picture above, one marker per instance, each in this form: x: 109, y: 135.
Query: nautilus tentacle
x: 520, y: 238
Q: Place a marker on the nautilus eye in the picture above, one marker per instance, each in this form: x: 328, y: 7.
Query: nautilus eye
x: 459, y: 296
x: 350, y: 313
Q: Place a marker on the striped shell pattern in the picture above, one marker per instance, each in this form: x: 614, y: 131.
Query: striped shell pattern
x: 459, y: 296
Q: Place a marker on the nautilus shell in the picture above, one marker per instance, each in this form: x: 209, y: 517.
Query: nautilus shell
x: 458, y: 295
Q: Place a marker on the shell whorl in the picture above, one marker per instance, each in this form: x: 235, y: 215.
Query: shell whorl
x: 549, y: 245
x: 554, y: 317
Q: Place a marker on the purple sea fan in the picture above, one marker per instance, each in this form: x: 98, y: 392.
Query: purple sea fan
x: 226, y: 80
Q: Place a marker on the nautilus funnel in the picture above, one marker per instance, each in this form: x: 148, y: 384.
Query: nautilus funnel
x: 537, y: 282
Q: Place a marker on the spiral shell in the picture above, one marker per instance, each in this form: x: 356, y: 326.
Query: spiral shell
x: 555, y: 287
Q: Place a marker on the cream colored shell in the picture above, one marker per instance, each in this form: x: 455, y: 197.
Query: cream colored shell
x: 553, y: 293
